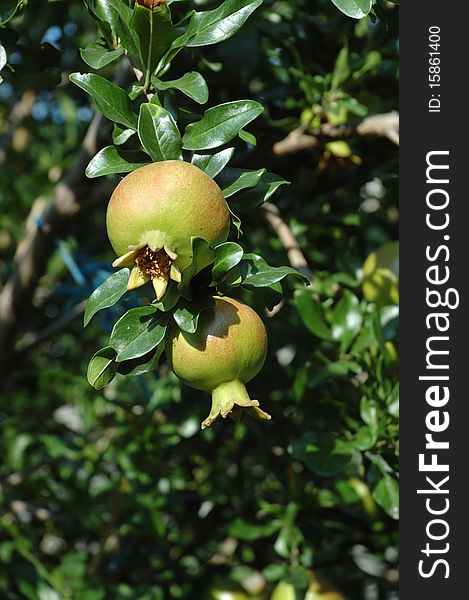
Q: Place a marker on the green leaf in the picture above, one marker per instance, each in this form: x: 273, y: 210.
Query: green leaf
x: 356, y: 9
x: 211, y: 27
x: 386, y: 494
x: 227, y: 256
x: 107, y: 18
x: 213, y: 164
x: 220, y: 124
x: 191, y: 84
x: 102, y: 368
x: 323, y: 453
x: 111, y: 160
x: 17, y: 448
x: 158, y: 133
x: 214, y: 26
x: 236, y: 221
x: 393, y: 401
x: 234, y: 180
x: 98, y: 56
x: 202, y: 255
x: 110, y: 99
x: 346, y: 320
x: 121, y: 135
x: 249, y: 532
x: 187, y: 314
x: 253, y: 198
x: 247, y: 137
x: 107, y: 294
x: 124, y: 30
x: 137, y: 332
x: 170, y: 298
x: 143, y: 364
x: 312, y: 314
x: 257, y: 273
x: 3, y: 59
x: 341, y: 70
x: 154, y: 33
x: 270, y: 295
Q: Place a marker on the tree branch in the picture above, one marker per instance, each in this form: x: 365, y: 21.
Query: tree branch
x: 294, y: 253
x: 384, y: 125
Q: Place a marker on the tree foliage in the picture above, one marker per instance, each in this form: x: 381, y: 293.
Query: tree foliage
x: 114, y: 491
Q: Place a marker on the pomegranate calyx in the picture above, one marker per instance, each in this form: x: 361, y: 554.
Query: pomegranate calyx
x: 229, y: 399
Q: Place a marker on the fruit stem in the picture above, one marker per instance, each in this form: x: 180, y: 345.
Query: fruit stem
x: 228, y: 398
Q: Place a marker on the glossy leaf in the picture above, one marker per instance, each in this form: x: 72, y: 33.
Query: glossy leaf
x: 137, y: 332
x: 202, y: 255
x: 111, y: 160
x: 219, y: 24
x: 232, y: 180
x: 247, y: 137
x: 187, y: 314
x: 211, y: 27
x: 3, y: 59
x: 143, y: 364
x: 110, y: 99
x: 120, y: 135
x: 107, y: 294
x: 312, y: 314
x: 220, y: 124
x: 347, y: 320
x: 354, y: 8
x: 227, y: 256
x: 106, y: 16
x: 386, y: 494
x: 125, y: 31
x: 257, y: 273
x: 252, y: 198
x: 102, y: 368
x: 98, y: 56
x: 158, y: 133
x: 213, y: 164
x: 249, y: 532
x: 154, y: 33
x: 191, y: 84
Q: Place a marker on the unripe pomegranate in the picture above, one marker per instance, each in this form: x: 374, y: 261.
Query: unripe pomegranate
x: 227, y: 350
x: 152, y: 215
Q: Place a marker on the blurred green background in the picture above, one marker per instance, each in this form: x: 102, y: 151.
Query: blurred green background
x: 118, y: 494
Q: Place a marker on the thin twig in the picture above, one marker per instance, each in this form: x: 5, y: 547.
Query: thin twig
x: 294, y: 253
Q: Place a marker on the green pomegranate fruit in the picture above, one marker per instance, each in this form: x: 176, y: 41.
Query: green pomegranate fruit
x: 381, y: 275
x: 227, y: 350
x: 155, y: 211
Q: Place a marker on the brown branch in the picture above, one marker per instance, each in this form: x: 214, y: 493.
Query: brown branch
x: 294, y: 253
x: 384, y: 125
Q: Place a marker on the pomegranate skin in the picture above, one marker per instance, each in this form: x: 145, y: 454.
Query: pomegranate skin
x: 227, y: 350
x: 230, y: 343
x: 175, y: 199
